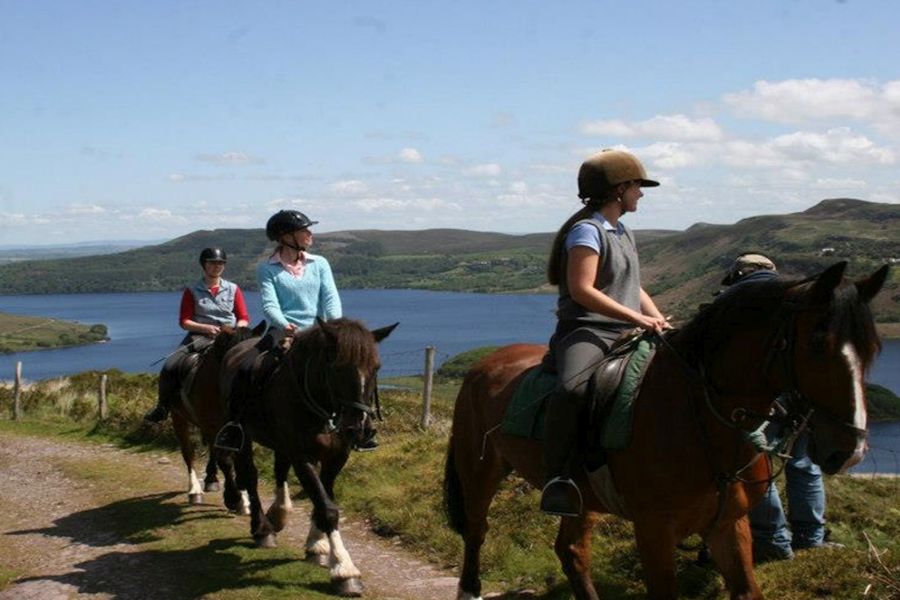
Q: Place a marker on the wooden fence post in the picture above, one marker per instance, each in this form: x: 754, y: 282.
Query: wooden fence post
x: 17, y: 392
x: 426, y: 391
x: 101, y: 397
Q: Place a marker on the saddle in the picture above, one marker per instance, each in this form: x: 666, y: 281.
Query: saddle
x: 187, y: 370
x: 614, y: 386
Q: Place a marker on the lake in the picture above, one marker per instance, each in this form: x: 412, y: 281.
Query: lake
x: 143, y: 328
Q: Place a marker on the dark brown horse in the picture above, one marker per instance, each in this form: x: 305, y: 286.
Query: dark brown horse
x: 310, y: 411
x: 689, y: 467
x: 202, y: 408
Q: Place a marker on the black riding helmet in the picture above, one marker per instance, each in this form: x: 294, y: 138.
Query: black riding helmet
x: 286, y: 221
x: 215, y: 254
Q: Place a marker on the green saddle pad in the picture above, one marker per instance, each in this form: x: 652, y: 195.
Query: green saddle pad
x: 525, y: 414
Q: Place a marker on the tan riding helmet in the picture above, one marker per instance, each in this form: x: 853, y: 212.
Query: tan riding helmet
x: 609, y: 168
x: 746, y: 263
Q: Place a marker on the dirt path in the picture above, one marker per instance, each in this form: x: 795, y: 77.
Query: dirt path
x: 63, y: 544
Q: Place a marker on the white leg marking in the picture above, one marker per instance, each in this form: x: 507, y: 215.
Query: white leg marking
x: 317, y: 542
x: 283, y: 498
x: 194, y: 486
x: 244, y: 504
x: 342, y: 566
x: 461, y: 595
x: 859, y: 400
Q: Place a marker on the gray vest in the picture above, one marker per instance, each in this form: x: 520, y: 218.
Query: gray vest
x: 218, y: 310
x: 618, y: 276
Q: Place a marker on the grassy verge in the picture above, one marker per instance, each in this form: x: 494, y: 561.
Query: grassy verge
x: 398, y: 490
x: 20, y: 333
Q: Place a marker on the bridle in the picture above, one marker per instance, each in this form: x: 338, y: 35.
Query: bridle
x: 330, y: 413
x: 791, y: 410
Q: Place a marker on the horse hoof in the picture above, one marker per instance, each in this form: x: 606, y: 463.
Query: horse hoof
x: 195, y: 498
x: 265, y: 541
x: 317, y: 559
x: 211, y: 486
x: 348, y: 588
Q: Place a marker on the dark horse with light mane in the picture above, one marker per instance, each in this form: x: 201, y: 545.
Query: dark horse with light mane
x: 310, y: 411
x: 202, y: 407
x: 689, y: 467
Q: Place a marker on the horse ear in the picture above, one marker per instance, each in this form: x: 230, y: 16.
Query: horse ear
x: 822, y: 290
x: 867, y: 288
x: 260, y: 328
x: 382, y: 333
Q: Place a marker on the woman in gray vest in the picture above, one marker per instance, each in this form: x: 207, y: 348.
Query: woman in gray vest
x: 206, y: 306
x: 595, y: 264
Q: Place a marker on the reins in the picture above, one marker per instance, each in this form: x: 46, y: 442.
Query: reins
x: 331, y: 414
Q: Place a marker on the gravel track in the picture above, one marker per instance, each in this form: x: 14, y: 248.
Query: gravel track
x: 53, y: 534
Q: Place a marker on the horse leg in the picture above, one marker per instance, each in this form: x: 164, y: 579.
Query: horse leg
x: 470, y: 483
x: 345, y: 577
x: 278, y: 512
x: 318, y: 548
x: 248, y: 479
x: 655, y: 540
x: 235, y: 500
x: 183, y: 433
x: 731, y: 547
x: 211, y: 481
x: 573, y: 547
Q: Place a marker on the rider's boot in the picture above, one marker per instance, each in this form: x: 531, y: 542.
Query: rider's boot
x: 166, y: 397
x: 560, y: 495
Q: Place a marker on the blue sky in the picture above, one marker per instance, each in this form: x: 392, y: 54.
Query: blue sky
x: 149, y: 120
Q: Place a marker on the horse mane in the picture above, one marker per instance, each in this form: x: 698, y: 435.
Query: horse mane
x: 349, y: 340
x: 762, y: 304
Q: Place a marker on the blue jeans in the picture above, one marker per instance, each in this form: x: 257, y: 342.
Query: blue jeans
x: 806, y: 506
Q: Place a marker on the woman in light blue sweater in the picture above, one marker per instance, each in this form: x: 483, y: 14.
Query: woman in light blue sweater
x: 295, y: 288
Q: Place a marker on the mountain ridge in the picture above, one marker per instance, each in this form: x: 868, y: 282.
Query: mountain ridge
x: 680, y: 268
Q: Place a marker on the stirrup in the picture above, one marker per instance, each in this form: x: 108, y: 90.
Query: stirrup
x: 559, y: 495
x: 230, y: 437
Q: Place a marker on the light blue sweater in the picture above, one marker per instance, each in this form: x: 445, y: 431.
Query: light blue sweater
x: 298, y: 300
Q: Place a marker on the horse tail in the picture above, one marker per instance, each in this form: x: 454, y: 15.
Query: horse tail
x: 454, y: 507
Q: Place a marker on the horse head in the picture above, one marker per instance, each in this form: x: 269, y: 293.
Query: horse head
x: 832, y: 345
x: 228, y: 337
x: 336, y: 365
x: 807, y: 343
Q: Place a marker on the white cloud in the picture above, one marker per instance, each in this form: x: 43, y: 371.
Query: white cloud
x: 350, y: 186
x: 485, y: 170
x: 230, y: 159
x: 839, y: 184
x: 804, y: 100
x: 835, y: 146
x: 410, y: 155
x: 671, y: 155
x: 160, y: 215
x: 84, y: 209
x: 663, y: 127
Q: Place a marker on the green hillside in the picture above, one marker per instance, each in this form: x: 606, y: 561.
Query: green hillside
x: 681, y: 269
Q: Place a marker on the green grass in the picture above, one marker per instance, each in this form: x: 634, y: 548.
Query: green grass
x: 20, y: 333
x: 398, y: 490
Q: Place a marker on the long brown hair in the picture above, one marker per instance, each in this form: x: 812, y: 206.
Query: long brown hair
x: 591, y: 205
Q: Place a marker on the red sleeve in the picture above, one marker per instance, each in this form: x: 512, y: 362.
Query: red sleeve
x: 187, y: 307
x: 240, y: 307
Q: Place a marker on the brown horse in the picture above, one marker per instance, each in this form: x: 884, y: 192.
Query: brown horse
x: 310, y: 411
x: 689, y: 467
x: 202, y: 408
